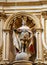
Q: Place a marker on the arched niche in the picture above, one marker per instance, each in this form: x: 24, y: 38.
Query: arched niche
x: 12, y: 18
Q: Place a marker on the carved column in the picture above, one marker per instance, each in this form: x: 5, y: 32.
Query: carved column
x: 44, y: 22
x: 37, y: 44
x: 44, y: 16
x: 44, y: 35
x: 39, y: 57
x: 5, y: 44
x: 45, y: 31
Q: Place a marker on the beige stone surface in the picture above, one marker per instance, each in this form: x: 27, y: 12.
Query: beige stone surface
x: 35, y: 9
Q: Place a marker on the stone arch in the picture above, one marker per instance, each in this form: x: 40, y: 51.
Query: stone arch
x: 11, y: 17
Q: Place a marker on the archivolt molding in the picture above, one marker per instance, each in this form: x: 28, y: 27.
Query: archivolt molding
x: 11, y: 17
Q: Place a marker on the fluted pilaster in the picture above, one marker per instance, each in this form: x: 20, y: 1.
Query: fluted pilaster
x: 5, y: 44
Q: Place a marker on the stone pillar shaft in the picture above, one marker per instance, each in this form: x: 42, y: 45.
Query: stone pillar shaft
x: 39, y: 46
x: 5, y: 45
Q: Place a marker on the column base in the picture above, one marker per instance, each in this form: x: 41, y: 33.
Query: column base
x: 39, y: 62
x: 4, y: 62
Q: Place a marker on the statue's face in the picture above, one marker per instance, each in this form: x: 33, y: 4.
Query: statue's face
x: 24, y: 35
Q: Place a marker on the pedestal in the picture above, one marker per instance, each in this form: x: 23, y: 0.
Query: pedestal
x: 22, y: 62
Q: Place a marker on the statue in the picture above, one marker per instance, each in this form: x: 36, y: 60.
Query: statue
x: 23, y: 41
x: 24, y: 36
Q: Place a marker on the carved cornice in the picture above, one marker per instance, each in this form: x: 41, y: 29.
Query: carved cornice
x: 22, y: 3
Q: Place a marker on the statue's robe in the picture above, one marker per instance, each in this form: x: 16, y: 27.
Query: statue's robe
x: 32, y: 47
x: 16, y: 42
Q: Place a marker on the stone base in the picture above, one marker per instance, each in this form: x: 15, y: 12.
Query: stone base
x: 22, y: 62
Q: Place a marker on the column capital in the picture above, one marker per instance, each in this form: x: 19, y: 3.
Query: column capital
x: 44, y: 14
x: 3, y: 15
x: 39, y: 29
x: 6, y: 30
